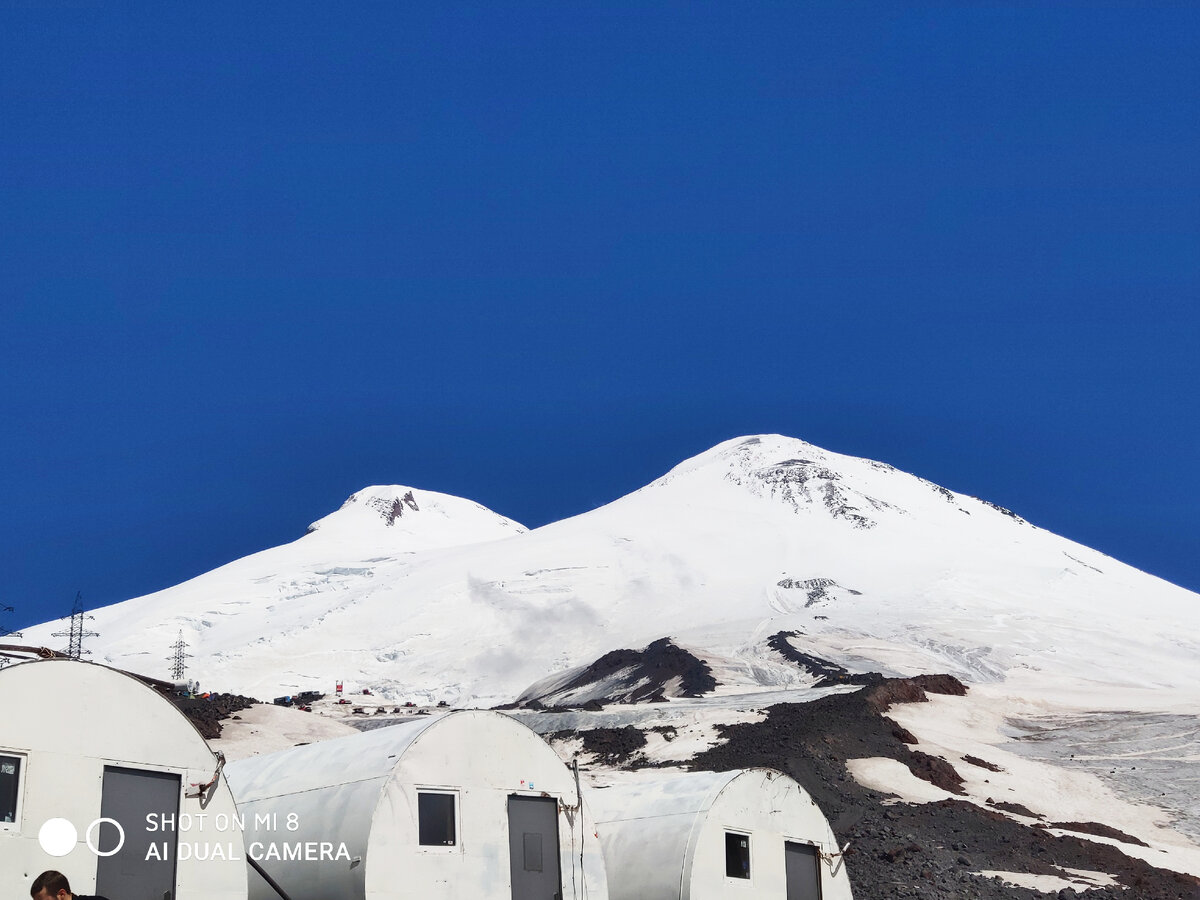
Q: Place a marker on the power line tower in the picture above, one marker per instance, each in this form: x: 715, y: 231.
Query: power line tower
x: 4, y: 632
x: 78, y: 631
x: 178, y: 660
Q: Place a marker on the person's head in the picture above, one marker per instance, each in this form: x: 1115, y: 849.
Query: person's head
x: 51, y: 885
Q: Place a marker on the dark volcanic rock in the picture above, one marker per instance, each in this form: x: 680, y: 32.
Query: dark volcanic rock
x: 1017, y: 808
x: 1100, y: 831
x: 819, y: 668
x: 981, y: 763
x: 834, y: 728
x: 903, y: 735
x: 1000, y: 509
x: 936, y: 771
x: 940, y: 684
x: 887, y: 691
x: 611, y: 746
x: 815, y: 589
x: 649, y: 671
x: 930, y: 850
x: 206, y: 714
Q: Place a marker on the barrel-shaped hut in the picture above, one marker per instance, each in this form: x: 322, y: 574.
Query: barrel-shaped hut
x: 469, y: 804
x: 104, y: 780
x: 750, y: 833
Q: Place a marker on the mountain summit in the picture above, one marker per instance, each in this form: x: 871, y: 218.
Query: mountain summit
x: 809, y: 480
x: 402, y: 518
x: 871, y: 568
x: 763, y: 576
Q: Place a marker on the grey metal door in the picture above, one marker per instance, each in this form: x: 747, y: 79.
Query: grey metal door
x: 533, y: 848
x: 128, y: 797
x: 803, y: 866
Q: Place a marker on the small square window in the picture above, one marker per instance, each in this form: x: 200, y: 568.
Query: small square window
x: 435, y: 820
x: 10, y: 788
x: 737, y: 855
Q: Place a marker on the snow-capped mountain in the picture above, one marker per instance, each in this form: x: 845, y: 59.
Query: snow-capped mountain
x: 421, y: 594
x: 763, y: 571
x: 235, y: 614
x: 390, y: 519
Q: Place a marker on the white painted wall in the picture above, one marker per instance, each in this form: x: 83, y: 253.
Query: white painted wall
x: 664, y: 839
x: 362, y: 790
x: 69, y: 719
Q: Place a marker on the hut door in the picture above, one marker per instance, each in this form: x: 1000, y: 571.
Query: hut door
x: 533, y: 848
x: 138, y: 871
x: 803, y: 868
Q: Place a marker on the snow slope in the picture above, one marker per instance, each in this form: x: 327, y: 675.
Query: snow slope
x: 242, y: 620
x: 875, y: 568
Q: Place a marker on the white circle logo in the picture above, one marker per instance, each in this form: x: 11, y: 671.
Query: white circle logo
x: 120, y: 842
x: 58, y: 837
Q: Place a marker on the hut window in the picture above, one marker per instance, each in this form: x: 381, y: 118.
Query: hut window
x: 435, y: 819
x: 737, y: 855
x: 10, y: 782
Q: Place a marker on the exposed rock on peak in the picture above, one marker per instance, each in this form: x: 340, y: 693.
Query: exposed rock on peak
x: 412, y: 519
x: 391, y: 511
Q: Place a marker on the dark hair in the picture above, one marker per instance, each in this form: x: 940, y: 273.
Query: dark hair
x: 51, y: 881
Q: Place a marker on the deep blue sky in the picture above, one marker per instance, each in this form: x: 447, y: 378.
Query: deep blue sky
x: 254, y: 257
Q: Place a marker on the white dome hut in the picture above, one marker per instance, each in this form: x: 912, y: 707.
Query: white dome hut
x: 470, y: 804
x: 754, y: 834
x: 81, y: 743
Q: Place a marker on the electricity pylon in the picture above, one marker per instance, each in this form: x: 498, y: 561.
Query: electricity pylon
x: 178, y: 660
x: 78, y: 630
x: 4, y: 632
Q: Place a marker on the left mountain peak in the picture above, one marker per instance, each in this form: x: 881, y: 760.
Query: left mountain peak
x: 404, y: 515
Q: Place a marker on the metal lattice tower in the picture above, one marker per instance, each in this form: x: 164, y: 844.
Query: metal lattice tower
x: 78, y: 630
x: 179, y: 659
x: 4, y: 632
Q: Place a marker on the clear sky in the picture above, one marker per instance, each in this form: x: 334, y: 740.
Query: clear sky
x: 256, y: 256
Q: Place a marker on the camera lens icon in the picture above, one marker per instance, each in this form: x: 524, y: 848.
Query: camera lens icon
x: 58, y: 837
